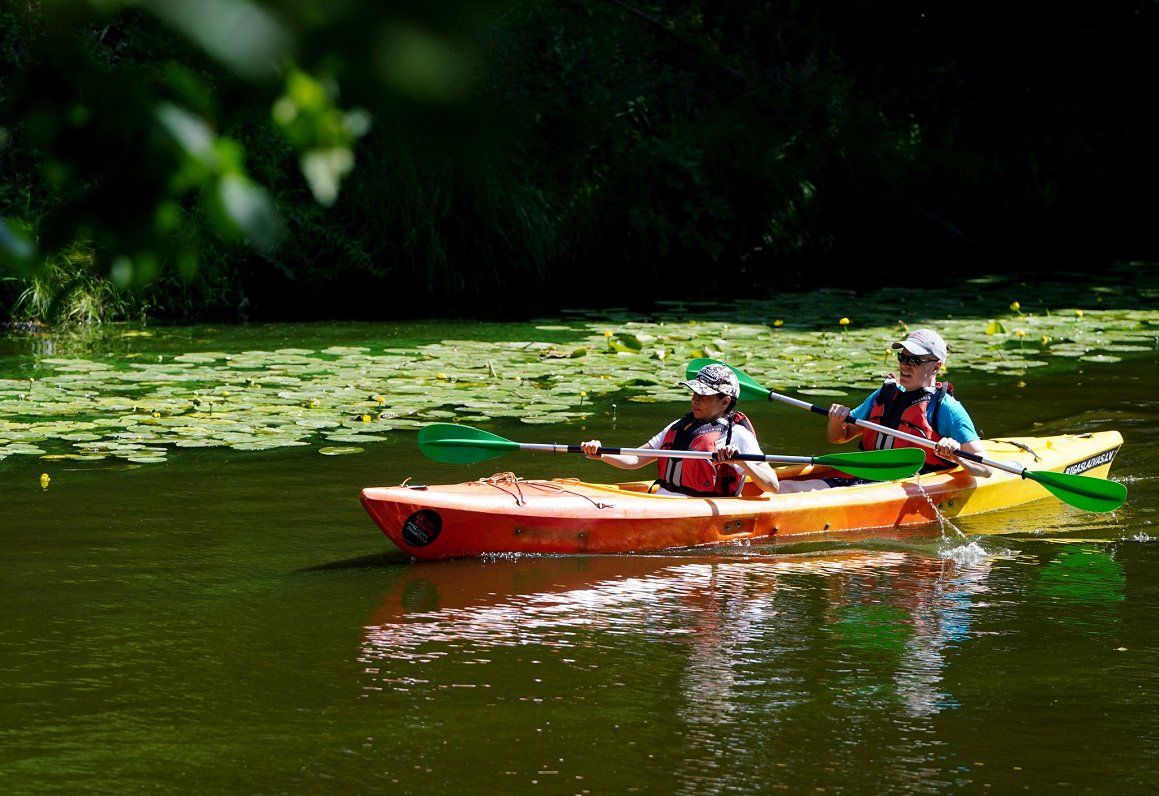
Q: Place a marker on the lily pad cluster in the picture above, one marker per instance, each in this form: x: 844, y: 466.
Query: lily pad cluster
x: 142, y: 405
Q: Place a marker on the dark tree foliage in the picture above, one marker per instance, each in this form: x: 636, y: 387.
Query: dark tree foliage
x: 513, y: 158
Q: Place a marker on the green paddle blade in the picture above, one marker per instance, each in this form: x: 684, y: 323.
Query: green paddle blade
x: 877, y: 465
x: 749, y: 389
x: 1082, y: 491
x: 455, y: 444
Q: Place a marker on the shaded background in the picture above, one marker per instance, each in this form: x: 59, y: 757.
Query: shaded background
x: 276, y: 160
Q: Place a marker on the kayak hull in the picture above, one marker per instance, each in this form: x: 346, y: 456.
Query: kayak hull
x: 504, y: 514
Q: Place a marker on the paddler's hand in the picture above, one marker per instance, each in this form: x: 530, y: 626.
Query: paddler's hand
x: 591, y: 448
x: 947, y: 448
x: 725, y: 453
x: 838, y: 413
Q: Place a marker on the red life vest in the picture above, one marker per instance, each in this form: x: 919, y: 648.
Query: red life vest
x: 907, y: 411
x: 700, y: 477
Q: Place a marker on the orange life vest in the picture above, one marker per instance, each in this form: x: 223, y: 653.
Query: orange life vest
x: 700, y: 477
x: 908, y: 411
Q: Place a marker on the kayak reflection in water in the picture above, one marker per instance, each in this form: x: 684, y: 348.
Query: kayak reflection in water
x: 713, y: 426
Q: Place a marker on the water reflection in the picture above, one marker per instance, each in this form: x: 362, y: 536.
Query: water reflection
x: 1088, y: 580
x: 1050, y: 518
x: 749, y: 631
x: 903, y: 622
x: 726, y: 661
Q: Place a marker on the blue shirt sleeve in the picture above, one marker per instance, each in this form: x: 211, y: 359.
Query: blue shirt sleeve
x: 954, y: 421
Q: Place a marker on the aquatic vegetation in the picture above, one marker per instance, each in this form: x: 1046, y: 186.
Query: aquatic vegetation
x: 130, y: 397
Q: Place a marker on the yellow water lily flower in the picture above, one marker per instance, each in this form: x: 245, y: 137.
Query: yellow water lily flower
x: 778, y: 323
x: 44, y: 479
x: 1015, y: 306
x: 366, y: 418
x: 844, y: 321
x: 1078, y: 313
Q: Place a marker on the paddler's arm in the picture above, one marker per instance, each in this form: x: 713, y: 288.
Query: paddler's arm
x: 761, y: 473
x: 625, y: 461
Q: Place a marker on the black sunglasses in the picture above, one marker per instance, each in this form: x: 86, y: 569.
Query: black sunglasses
x: 913, y: 362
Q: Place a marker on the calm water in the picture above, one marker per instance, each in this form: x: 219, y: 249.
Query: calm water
x: 231, y: 622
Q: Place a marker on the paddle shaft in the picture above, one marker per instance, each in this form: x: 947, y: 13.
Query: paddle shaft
x: 455, y: 444
x: 896, y: 433
x: 670, y: 454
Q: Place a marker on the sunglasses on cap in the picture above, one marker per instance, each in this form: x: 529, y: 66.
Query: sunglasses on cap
x: 912, y: 361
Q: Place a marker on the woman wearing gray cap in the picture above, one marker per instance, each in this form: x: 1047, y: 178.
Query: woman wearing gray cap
x: 714, y: 426
x: 915, y: 402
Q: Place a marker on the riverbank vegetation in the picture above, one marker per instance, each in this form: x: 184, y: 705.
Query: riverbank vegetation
x: 269, y: 160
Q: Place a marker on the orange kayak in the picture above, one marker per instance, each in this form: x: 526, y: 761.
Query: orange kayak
x: 505, y: 514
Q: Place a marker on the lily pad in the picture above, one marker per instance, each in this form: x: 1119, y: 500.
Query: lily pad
x: 346, y: 450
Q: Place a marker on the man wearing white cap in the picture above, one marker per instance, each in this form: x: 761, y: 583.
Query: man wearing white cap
x: 714, y: 426
x: 914, y: 402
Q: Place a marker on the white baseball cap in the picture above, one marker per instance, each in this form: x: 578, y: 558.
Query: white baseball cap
x: 924, y: 341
